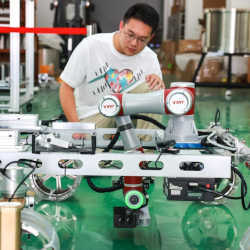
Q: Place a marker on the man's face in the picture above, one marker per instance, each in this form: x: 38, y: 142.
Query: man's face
x: 133, y: 37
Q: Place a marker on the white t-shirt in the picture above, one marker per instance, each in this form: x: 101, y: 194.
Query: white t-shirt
x: 96, y: 68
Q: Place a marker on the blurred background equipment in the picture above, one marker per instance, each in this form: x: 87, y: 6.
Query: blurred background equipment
x: 227, y: 33
x: 72, y: 14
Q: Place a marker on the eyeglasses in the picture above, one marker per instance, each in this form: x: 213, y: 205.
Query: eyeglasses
x: 130, y: 36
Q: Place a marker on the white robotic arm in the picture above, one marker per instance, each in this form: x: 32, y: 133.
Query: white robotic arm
x: 178, y: 100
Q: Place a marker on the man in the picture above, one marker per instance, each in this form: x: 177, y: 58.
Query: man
x: 111, y: 62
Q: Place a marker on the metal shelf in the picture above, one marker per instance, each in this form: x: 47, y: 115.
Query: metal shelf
x: 15, y: 98
x: 229, y: 83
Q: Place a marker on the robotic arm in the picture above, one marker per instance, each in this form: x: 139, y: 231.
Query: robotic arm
x: 178, y: 100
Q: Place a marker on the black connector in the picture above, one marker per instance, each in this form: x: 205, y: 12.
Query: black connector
x: 166, y: 144
x: 125, y: 217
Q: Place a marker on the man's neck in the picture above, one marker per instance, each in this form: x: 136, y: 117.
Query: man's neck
x: 116, y: 42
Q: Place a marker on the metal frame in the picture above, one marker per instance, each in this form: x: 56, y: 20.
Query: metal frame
x: 215, y: 166
x: 29, y: 51
x: 14, y: 57
x: 14, y: 99
x: 176, y: 29
x: 229, y: 83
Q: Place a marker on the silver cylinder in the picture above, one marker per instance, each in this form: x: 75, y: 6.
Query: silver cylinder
x: 182, y: 129
x: 11, y: 178
x: 128, y: 136
x: 139, y: 103
x: 227, y: 30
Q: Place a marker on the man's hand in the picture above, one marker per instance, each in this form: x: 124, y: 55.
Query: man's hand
x: 78, y: 136
x: 155, y: 82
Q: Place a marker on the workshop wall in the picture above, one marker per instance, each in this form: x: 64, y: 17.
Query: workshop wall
x: 44, y: 16
x: 109, y: 12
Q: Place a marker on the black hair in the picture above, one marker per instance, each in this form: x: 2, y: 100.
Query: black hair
x: 145, y: 13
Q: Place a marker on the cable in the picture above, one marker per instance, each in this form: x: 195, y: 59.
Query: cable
x: 113, y: 141
x: 102, y: 189
x: 220, y: 194
x: 208, y: 141
x: 3, y: 170
x: 32, y: 161
x: 243, y: 189
x: 203, y: 132
x: 10, y: 163
x: 217, y: 116
x: 142, y: 117
x: 23, y: 161
x: 157, y: 160
x: 149, y: 119
x: 21, y: 183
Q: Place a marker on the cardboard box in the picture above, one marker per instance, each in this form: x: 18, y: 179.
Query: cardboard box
x: 211, y: 71
x: 166, y: 56
x: 189, y: 46
x: 178, y: 6
x: 210, y: 4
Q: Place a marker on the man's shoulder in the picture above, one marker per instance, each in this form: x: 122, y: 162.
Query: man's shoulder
x: 147, y: 51
x: 100, y: 38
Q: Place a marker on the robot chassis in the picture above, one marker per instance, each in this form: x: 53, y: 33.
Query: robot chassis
x: 193, y: 163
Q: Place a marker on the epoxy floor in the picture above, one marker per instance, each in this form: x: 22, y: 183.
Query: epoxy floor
x: 85, y: 221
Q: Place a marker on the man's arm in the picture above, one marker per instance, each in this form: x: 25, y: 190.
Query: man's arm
x: 67, y: 99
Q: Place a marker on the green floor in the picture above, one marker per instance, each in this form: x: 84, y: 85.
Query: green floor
x: 85, y: 221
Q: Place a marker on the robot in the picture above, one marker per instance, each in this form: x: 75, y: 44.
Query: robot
x: 193, y: 163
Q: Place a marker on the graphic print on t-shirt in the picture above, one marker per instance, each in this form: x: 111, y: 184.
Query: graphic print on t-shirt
x: 117, y: 80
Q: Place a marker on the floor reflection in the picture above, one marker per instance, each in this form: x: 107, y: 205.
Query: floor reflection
x: 65, y: 217
x: 209, y: 227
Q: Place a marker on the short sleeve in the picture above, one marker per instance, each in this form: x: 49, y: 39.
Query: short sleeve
x: 156, y: 69
x: 74, y: 73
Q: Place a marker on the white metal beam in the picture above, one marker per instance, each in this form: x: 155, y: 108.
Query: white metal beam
x: 14, y: 57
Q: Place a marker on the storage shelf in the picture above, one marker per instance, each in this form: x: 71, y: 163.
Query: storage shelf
x: 7, y: 51
x: 222, y: 85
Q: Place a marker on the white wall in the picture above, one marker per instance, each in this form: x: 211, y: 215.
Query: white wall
x: 107, y: 17
x: 108, y: 13
x: 194, y: 9
x: 240, y: 4
x: 167, y: 5
x: 44, y: 16
x: 193, y: 12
